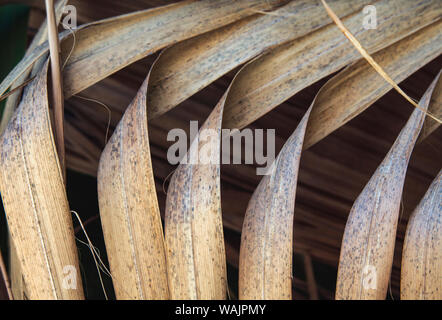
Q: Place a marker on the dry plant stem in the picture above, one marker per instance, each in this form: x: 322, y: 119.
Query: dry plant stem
x: 14, y: 91
x: 421, y: 271
x: 35, y: 201
x: 56, y: 84
x: 370, y: 60
x: 93, y: 251
x: 369, y: 237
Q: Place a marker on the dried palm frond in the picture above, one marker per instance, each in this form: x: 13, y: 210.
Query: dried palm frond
x: 35, y: 202
x: 282, y: 48
x: 265, y: 262
x: 369, y: 237
x: 421, y: 257
x: 104, y: 47
x: 195, y: 253
x: 129, y: 208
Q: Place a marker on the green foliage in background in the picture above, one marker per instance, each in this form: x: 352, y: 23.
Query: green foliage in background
x: 13, y: 29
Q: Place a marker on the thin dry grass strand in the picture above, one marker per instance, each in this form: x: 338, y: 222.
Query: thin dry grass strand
x: 165, y: 180
x: 109, y: 112
x: 371, y: 61
x: 101, y: 265
x: 389, y: 289
x: 74, y: 41
x: 97, y: 252
x: 86, y: 98
x: 266, y: 12
x: 93, y: 252
x: 421, y: 268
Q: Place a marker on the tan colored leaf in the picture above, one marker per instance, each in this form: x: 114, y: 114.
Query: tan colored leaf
x: 282, y: 72
x: 421, y: 269
x: 17, y: 283
x: 35, y: 200
x: 129, y: 208
x: 265, y: 262
x: 106, y: 46
x: 286, y: 70
x: 358, y: 86
x: 196, y: 260
x: 369, y: 237
x: 189, y: 66
x: 18, y: 287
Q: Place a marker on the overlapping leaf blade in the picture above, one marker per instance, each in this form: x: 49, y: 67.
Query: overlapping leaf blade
x: 369, y: 237
x: 189, y: 66
x: 35, y: 201
x: 422, y: 253
x: 272, y: 79
x: 106, y: 46
x: 195, y: 250
x: 265, y: 262
x: 129, y: 208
